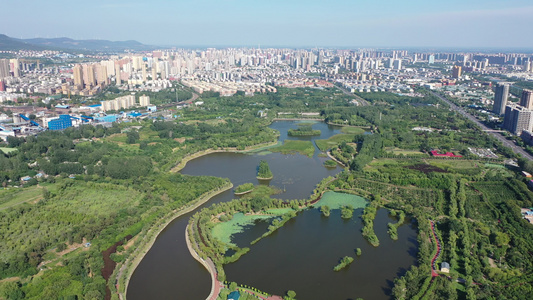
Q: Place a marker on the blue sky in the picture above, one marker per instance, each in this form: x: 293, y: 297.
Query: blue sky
x: 295, y: 23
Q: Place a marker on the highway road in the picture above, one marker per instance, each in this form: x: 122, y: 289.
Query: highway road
x: 516, y: 149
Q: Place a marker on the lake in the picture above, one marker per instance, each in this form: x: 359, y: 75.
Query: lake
x: 168, y: 271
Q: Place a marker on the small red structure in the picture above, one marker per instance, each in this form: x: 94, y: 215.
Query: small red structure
x: 447, y: 154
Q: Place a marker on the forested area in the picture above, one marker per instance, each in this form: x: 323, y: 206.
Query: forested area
x: 120, y: 186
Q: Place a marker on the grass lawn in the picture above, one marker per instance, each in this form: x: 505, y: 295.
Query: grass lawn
x: 352, y: 130
x: 262, y: 150
x: 117, y: 138
x: 263, y: 190
x: 456, y: 164
x: 293, y: 147
x: 398, y: 151
x: 149, y: 135
x: 13, y: 196
x: 223, y: 231
x: 382, y: 162
x: 336, y: 200
x: 279, y: 211
x: 7, y: 150
x: 333, y: 141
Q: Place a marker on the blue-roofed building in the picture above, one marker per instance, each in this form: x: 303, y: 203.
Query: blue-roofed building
x: 63, y: 122
x: 235, y: 295
x: 108, y: 118
x: 134, y: 114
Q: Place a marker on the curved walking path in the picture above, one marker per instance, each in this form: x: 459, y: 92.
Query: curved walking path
x: 216, y: 285
x: 126, y: 270
x: 437, y: 241
x: 336, y: 160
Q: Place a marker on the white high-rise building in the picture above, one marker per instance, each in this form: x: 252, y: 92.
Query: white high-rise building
x: 144, y: 100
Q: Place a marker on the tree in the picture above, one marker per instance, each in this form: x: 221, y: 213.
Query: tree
x: 347, y: 212
x: 291, y: 294
x: 133, y: 136
x: 501, y: 239
x: 325, y: 210
x: 263, y: 170
x: 258, y: 203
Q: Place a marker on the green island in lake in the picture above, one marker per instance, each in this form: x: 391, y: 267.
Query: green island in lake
x: 263, y: 171
x: 304, y: 129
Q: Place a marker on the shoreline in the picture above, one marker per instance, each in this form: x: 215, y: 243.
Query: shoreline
x: 345, y: 125
x: 243, y: 193
x: 209, y: 267
x: 336, y: 160
x: 138, y: 255
x: 298, y: 119
x: 190, y: 157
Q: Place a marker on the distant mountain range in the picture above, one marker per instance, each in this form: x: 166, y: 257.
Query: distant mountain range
x: 13, y: 44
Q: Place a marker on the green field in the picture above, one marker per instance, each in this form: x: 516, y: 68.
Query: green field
x: 293, y: 147
x: 7, y: 150
x: 13, y: 197
x: 336, y: 200
x: 398, y: 151
x: 333, y: 141
x: 352, y: 130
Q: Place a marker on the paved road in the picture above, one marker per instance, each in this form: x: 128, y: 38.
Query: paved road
x: 516, y: 149
x: 361, y: 100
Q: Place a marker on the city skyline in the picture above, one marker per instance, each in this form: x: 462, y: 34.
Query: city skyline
x: 476, y: 24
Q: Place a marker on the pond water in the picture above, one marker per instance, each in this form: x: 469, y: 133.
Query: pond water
x: 168, y: 271
x: 301, y: 255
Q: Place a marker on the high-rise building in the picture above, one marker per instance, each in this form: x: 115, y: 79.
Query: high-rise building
x: 117, y: 74
x: 2, y: 86
x: 527, y: 99
x: 456, y: 72
x: 88, y: 75
x: 500, y: 98
x: 517, y: 119
x: 118, y: 103
x: 78, y: 76
x: 4, y: 68
x: 143, y: 68
x: 144, y: 100
x: 101, y: 71
x: 431, y: 59
x: 397, y: 64
x: 15, y: 67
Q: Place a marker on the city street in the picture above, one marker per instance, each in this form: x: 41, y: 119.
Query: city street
x: 516, y: 149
